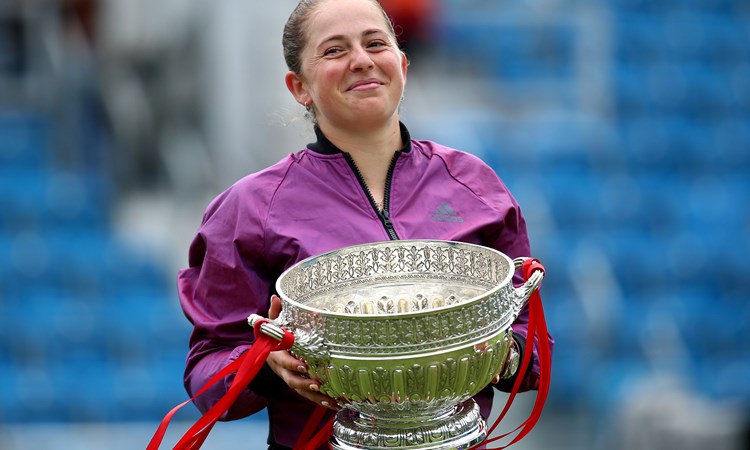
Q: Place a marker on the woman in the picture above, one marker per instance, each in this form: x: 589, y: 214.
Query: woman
x: 363, y: 180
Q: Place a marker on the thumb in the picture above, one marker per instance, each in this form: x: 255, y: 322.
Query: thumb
x: 275, y: 309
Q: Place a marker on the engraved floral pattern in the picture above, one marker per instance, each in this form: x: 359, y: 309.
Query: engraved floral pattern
x: 463, y: 429
x: 390, y: 260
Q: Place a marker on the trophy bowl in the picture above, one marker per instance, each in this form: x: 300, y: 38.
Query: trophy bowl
x: 402, y: 334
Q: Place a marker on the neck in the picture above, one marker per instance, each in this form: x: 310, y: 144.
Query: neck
x: 370, y: 143
x: 372, y: 151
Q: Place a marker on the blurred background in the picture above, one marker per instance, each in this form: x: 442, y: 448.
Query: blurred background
x: 621, y: 126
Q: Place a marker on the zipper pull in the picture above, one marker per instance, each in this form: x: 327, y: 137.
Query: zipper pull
x: 385, y: 215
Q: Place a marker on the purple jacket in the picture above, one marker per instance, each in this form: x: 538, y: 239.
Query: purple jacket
x: 312, y: 202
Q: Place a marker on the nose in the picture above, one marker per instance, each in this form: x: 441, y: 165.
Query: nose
x: 360, y: 59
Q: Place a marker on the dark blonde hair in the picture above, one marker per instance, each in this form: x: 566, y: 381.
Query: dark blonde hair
x: 294, y: 37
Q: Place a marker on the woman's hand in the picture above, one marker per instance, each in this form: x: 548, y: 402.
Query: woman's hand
x: 293, y: 371
x: 510, y: 366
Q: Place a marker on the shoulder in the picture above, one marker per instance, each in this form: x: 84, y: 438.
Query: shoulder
x: 469, y: 172
x: 249, y: 198
x: 455, y: 160
x: 465, y: 168
x: 235, y: 219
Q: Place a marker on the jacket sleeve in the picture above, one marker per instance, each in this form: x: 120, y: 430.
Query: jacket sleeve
x: 225, y: 282
x: 513, y: 240
x: 511, y: 237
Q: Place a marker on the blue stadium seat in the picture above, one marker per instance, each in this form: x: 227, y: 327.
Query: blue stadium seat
x: 530, y: 52
x: 460, y: 38
x: 724, y: 378
x: 150, y: 391
x: 731, y: 139
x: 628, y: 82
x: 672, y: 88
x: 634, y: 257
x: 639, y: 38
x: 8, y: 392
x: 166, y: 372
x: 40, y: 199
x: 723, y: 7
x: 707, y: 96
x: 76, y: 200
x: 612, y: 381
x: 22, y: 190
x: 689, y: 35
x: 23, y: 140
x: 652, y: 140
x: 709, y: 38
x: 624, y: 6
x: 570, y: 363
x: 84, y: 381
x: 29, y: 316
x: 716, y: 201
x: 728, y: 268
x: 7, y: 281
x: 572, y: 196
x: 79, y: 257
x: 36, y: 396
x: 659, y: 209
x: 126, y: 266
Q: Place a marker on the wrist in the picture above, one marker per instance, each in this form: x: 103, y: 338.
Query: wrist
x: 512, y: 361
x: 519, y: 344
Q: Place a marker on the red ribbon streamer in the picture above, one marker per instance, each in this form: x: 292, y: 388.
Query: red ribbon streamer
x: 321, y: 437
x: 246, y: 366
x: 537, y: 332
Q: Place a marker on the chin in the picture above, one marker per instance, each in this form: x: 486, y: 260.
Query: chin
x: 370, y: 119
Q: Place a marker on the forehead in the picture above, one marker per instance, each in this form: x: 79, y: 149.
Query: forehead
x: 345, y: 18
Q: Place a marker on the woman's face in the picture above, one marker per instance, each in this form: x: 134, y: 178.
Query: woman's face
x: 353, y: 73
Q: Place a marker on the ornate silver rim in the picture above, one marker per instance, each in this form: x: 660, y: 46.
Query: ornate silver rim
x: 391, y: 261
x: 462, y: 427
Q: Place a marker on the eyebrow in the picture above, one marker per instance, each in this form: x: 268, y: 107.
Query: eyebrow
x: 338, y: 37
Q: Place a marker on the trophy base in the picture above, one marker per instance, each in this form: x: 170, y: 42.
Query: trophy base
x: 459, y: 429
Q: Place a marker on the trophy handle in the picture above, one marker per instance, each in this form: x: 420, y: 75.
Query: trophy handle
x: 307, y: 345
x: 523, y: 292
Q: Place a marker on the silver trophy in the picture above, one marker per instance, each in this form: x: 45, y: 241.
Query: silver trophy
x: 402, y: 334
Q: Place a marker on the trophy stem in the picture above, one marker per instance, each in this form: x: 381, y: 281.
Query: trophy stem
x: 459, y: 427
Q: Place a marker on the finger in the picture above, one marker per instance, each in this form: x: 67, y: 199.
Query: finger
x: 320, y: 399
x: 284, y: 361
x: 330, y: 404
x: 275, y: 309
x: 297, y: 382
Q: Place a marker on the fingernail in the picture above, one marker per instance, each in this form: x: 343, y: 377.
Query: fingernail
x: 325, y: 403
x: 301, y: 369
x: 314, y: 387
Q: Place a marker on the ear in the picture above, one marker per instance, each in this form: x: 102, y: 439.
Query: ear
x: 404, y: 63
x: 297, y: 88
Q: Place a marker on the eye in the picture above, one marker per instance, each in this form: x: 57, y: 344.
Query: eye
x: 377, y: 44
x: 333, y: 51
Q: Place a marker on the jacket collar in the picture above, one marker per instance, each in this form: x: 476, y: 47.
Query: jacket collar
x: 326, y: 147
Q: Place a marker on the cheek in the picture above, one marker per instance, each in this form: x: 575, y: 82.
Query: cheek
x: 332, y: 77
x: 326, y: 80
x: 396, y: 68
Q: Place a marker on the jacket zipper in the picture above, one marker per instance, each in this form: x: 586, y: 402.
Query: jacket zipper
x: 384, y: 215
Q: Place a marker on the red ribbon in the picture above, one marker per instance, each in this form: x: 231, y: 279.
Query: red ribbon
x: 246, y: 366
x: 537, y: 332
x: 304, y: 442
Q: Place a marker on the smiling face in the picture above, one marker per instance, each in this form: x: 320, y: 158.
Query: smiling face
x: 352, y: 72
